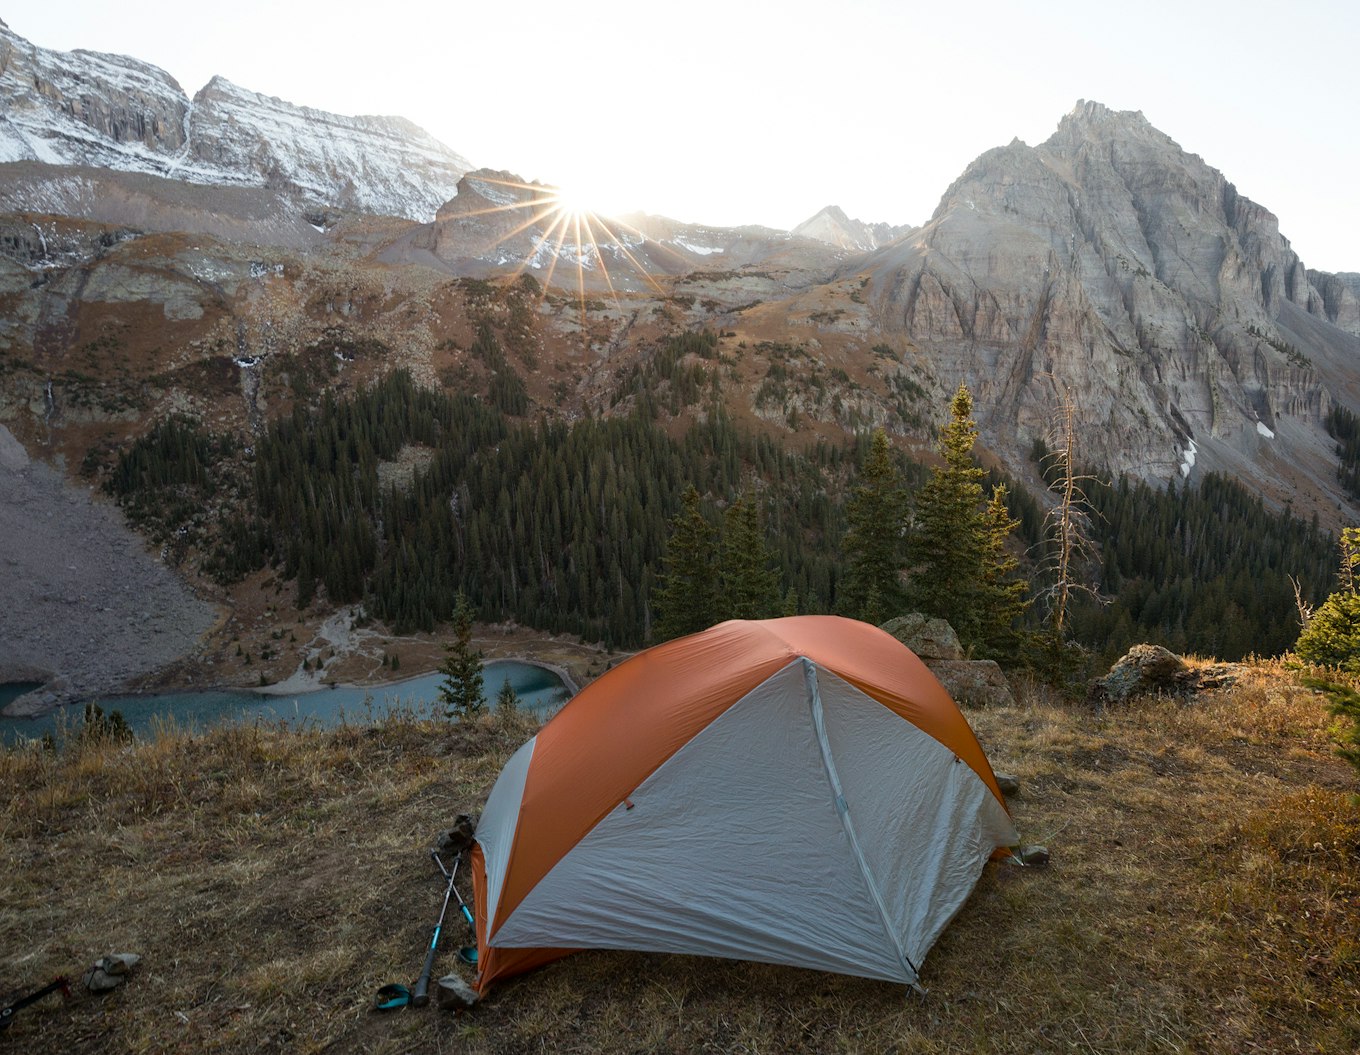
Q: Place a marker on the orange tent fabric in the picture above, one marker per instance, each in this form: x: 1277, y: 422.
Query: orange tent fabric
x: 620, y: 729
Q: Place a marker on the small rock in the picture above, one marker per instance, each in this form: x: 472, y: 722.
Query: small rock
x: 1033, y: 856
x: 119, y: 962
x: 457, y: 839
x: 1008, y: 784
x: 98, y: 980
x: 110, y: 971
x: 454, y: 994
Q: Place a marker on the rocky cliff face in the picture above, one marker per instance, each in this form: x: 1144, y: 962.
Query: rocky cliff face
x: 1110, y: 266
x: 1340, y: 295
x: 83, y: 108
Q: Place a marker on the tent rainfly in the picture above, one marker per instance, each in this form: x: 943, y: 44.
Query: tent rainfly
x: 797, y: 791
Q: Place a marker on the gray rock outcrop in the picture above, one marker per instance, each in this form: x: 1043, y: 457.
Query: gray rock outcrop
x: 1109, y: 264
x: 975, y: 682
x: 1143, y: 670
x: 1153, y: 670
x: 930, y: 638
x: 85, y: 606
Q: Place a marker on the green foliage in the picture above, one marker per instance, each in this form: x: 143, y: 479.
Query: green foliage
x: 507, y: 700
x: 461, y: 691
x: 749, y: 586
x: 686, y: 597
x: 1002, y: 593
x: 99, y: 727
x: 1198, y: 569
x: 673, y: 376
x: 1344, y: 703
x: 557, y: 526
x: 169, y: 482
x: 1332, y: 636
x: 1344, y: 427
x: 873, y: 543
x: 956, y: 550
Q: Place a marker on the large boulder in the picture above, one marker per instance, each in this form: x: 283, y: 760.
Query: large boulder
x: 930, y: 638
x: 1145, y: 670
x: 973, y: 682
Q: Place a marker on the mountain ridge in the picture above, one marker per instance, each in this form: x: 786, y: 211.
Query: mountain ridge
x: 1105, y: 265
x: 86, y: 108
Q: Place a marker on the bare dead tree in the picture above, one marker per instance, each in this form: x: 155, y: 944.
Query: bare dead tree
x: 1067, y: 527
x: 1304, y: 608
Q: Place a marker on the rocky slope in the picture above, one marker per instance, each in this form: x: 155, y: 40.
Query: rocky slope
x: 87, y: 109
x: 73, y: 563
x: 1109, y: 266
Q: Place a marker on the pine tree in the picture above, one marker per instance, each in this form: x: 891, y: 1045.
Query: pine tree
x: 461, y: 690
x: 944, y: 554
x: 1001, y: 595
x: 1331, y: 637
x: 873, y: 542
x: 750, y: 587
x: 687, y: 597
x: 507, y: 700
x: 956, y: 551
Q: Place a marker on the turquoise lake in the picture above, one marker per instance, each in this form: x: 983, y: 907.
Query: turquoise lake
x: 540, y: 690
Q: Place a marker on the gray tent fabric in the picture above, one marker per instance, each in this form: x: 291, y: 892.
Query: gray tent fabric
x: 806, y: 825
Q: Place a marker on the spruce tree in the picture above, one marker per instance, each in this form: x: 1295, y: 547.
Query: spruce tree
x: 944, y: 550
x: 507, y: 700
x: 956, y: 550
x: 875, y: 515
x: 750, y: 587
x: 1332, y: 636
x: 1001, y: 595
x: 461, y: 690
x: 687, y: 597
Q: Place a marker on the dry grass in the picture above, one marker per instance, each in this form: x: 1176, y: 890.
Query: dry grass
x: 1204, y: 896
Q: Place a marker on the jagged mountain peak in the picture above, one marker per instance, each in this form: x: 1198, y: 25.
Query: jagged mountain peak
x: 1113, y: 267
x: 832, y: 226
x: 85, y: 108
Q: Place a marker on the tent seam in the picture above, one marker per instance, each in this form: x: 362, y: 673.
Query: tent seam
x: 843, y: 811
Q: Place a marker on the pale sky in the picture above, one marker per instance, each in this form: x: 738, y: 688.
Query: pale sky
x: 747, y: 111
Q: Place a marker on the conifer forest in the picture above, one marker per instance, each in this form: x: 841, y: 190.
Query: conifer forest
x: 564, y: 525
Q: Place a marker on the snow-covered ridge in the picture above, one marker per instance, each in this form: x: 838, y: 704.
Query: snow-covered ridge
x: 111, y: 111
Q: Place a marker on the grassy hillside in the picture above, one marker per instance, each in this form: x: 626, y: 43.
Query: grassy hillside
x: 1204, y: 896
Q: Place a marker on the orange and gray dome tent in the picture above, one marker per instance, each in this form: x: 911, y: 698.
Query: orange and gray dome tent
x: 797, y: 791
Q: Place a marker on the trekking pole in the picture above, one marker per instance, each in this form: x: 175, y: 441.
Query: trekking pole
x: 463, y: 905
x: 7, y: 1013
x: 420, y: 996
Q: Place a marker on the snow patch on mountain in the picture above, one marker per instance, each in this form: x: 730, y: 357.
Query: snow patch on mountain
x: 84, y: 108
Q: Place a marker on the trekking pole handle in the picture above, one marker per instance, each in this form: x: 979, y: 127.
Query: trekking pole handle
x: 420, y: 996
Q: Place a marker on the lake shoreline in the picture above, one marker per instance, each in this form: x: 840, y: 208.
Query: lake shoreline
x: 278, y: 690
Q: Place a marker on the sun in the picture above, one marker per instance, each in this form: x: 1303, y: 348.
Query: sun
x: 565, y: 226
x: 574, y: 204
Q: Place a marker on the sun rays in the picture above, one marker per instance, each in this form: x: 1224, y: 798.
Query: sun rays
x: 563, y: 229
